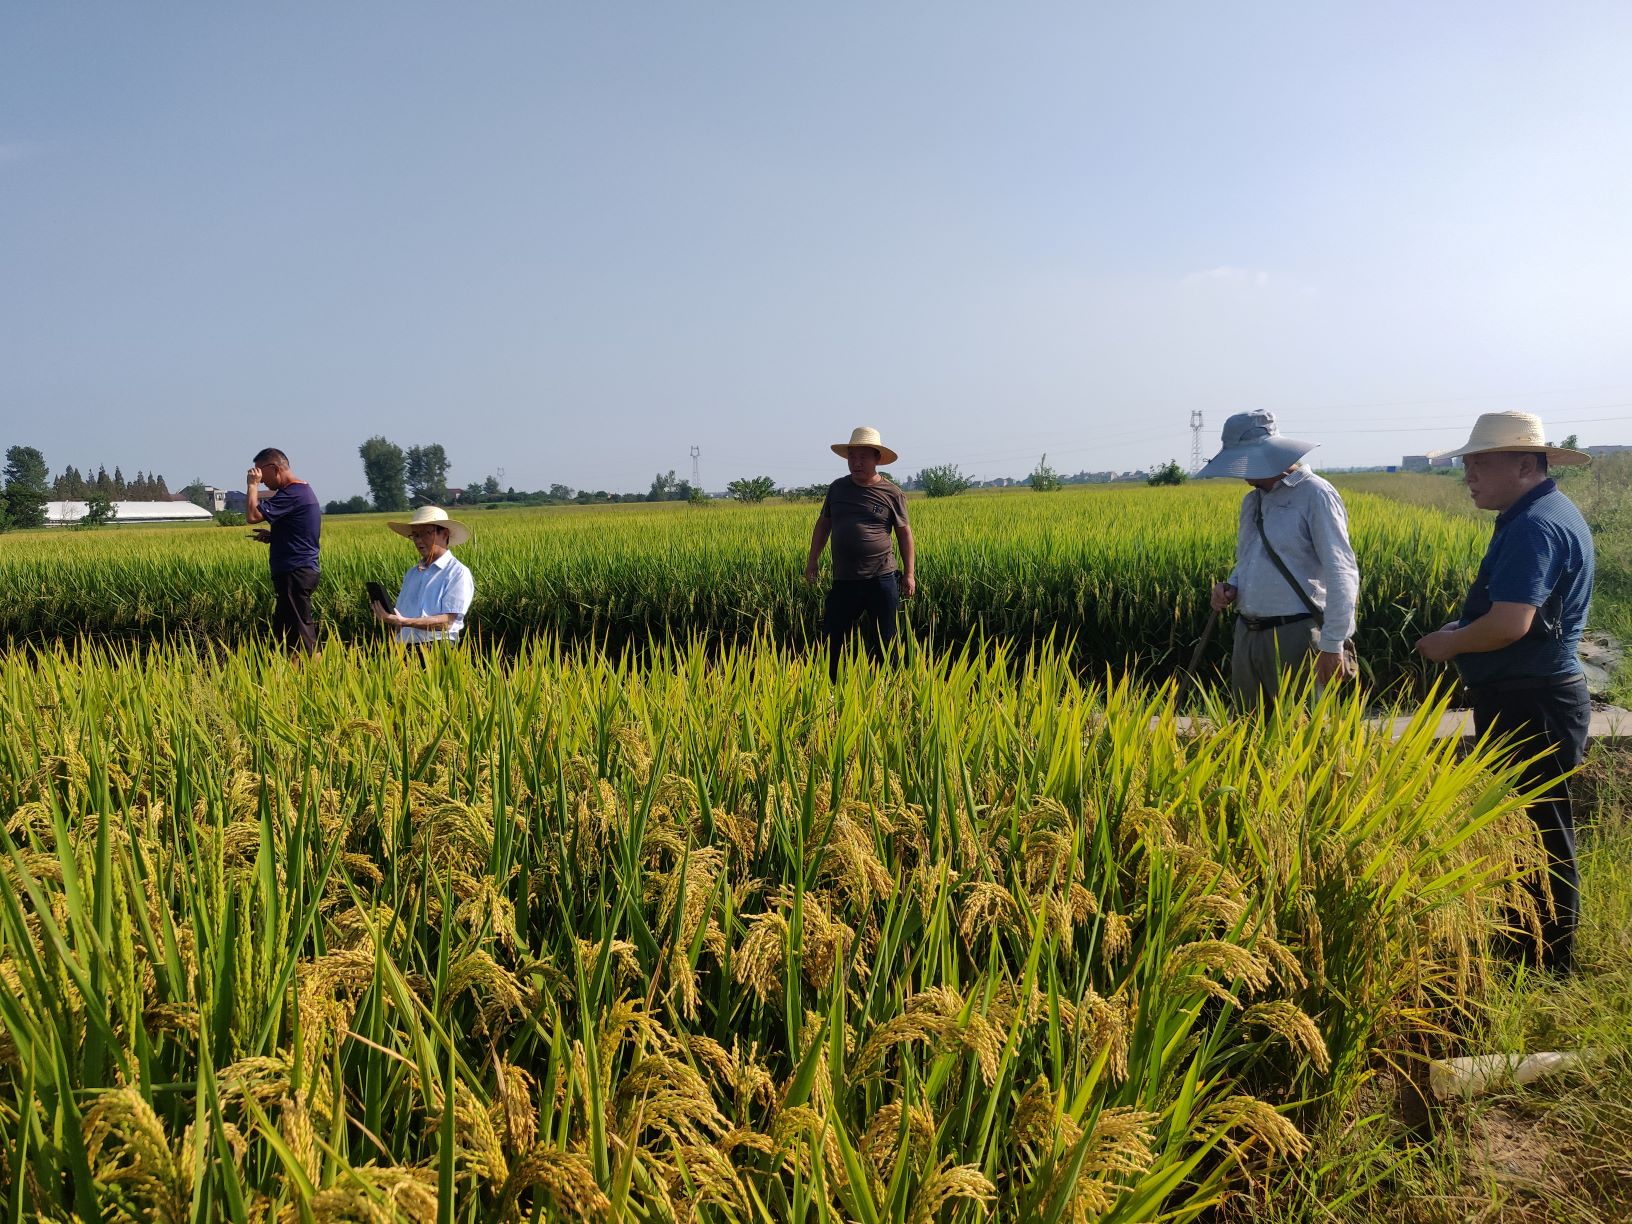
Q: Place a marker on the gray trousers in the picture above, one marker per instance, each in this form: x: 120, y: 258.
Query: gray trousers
x: 1261, y: 657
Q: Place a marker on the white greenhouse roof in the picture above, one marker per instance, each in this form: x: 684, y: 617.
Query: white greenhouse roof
x: 131, y: 512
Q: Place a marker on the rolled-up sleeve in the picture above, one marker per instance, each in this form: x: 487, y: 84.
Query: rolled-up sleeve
x: 459, y: 592
x: 1339, y: 571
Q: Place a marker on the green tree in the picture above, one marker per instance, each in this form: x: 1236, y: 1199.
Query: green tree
x: 99, y: 511
x: 103, y: 482
x: 425, y: 469
x: 357, y: 504
x: 27, y: 490
x: 664, y: 488
x: 799, y: 493
x: 70, y: 486
x: 198, y: 493
x: 1170, y: 473
x: 943, y: 481
x: 751, y: 489
x: 1045, y: 479
x: 383, y: 469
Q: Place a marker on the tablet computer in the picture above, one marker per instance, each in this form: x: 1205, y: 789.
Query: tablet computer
x: 377, y: 597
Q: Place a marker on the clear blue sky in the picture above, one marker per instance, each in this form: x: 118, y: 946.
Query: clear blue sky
x: 573, y: 240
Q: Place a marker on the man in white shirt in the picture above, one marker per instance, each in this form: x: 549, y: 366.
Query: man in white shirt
x: 436, y: 594
x: 1296, y: 584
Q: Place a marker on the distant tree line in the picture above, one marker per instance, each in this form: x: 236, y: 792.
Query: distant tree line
x: 399, y: 478
x: 72, y: 485
x: 26, y: 486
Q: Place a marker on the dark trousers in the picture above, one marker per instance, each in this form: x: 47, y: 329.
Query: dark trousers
x: 865, y: 604
x: 292, y: 609
x: 1552, y: 720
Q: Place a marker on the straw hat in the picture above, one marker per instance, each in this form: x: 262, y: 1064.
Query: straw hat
x: 1513, y: 431
x: 866, y: 436
x: 1253, y: 450
x: 433, y: 516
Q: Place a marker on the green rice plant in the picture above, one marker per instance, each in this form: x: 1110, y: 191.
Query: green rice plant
x: 550, y: 934
x: 1119, y: 575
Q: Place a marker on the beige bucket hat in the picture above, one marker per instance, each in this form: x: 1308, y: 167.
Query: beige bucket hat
x: 433, y: 516
x: 1513, y: 431
x: 866, y: 435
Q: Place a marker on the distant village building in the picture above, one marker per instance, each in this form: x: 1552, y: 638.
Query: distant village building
x: 65, y: 513
x: 1414, y: 463
x: 217, y: 497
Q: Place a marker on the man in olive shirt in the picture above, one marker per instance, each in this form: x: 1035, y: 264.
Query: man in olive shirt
x: 859, y: 513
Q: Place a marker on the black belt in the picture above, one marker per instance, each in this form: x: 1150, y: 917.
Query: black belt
x: 1257, y: 624
x: 1526, y: 684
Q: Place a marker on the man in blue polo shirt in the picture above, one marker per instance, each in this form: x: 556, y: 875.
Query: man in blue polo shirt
x: 294, y: 520
x: 1516, y: 642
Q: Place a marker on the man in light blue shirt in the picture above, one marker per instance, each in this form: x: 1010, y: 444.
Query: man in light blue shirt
x: 436, y: 594
x: 1295, y: 585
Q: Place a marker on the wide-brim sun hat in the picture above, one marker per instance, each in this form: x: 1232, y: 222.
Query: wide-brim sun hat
x: 433, y: 516
x: 1513, y: 431
x: 866, y: 436
x: 1253, y: 450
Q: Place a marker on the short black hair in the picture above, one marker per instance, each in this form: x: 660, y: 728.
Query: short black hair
x: 271, y: 454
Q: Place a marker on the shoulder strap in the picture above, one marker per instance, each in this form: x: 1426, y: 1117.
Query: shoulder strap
x: 1258, y: 515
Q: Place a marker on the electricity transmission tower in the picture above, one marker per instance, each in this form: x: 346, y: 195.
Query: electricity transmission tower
x: 1195, y: 441
x: 696, y: 469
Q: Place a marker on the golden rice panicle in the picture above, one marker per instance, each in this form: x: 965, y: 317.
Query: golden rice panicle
x: 1250, y: 1122
x: 375, y: 1194
x: 1038, y: 1122
x: 760, y: 957
x: 949, y: 1183
x: 881, y: 1142
x: 127, y: 1148
x: 562, y: 1180
x: 1189, y: 965
x: 988, y: 909
x: 1290, y: 1022
x: 515, y: 1116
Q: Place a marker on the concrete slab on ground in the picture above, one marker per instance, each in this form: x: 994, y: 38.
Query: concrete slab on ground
x: 1610, y: 725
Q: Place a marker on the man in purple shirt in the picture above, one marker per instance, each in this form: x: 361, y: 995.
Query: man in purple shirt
x: 858, y: 514
x: 293, y: 520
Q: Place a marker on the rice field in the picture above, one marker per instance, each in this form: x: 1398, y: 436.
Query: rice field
x: 549, y: 928
x: 1118, y: 573
x: 542, y: 934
